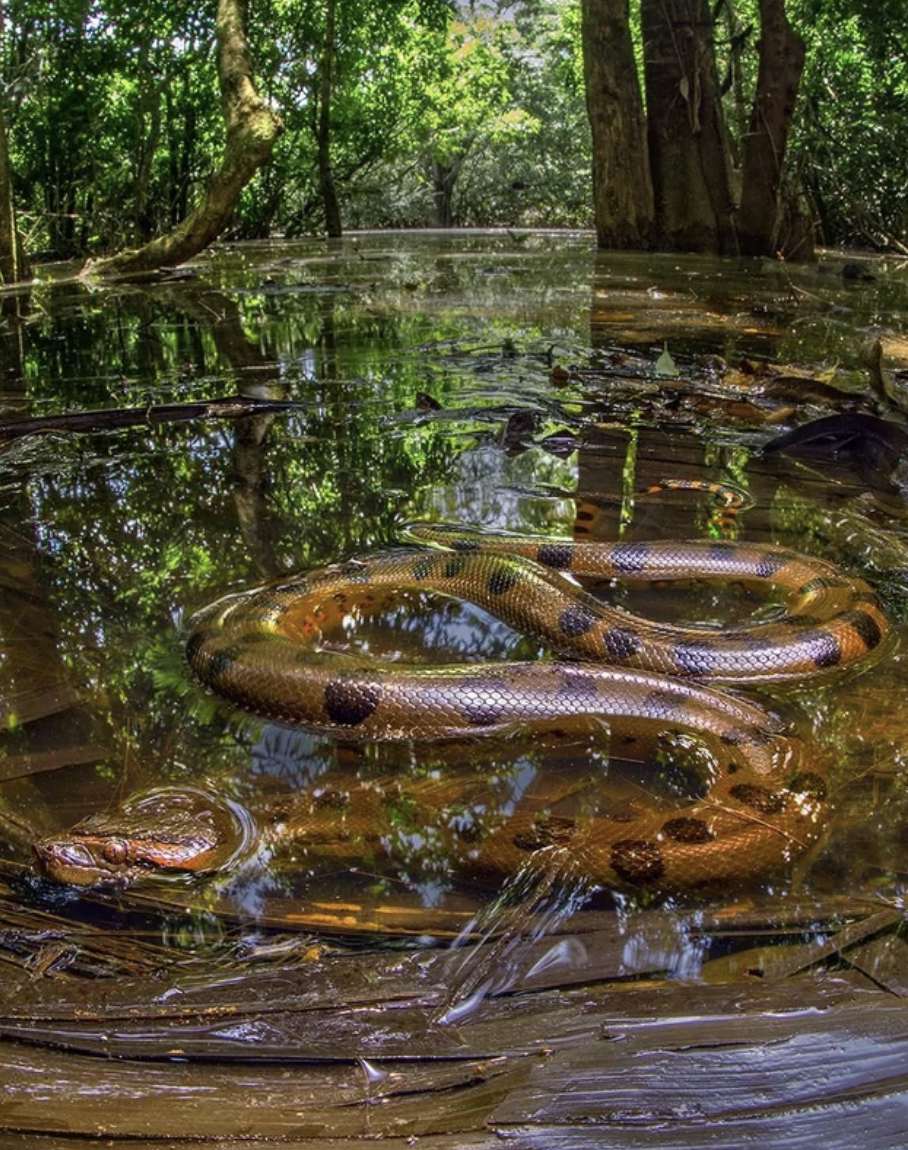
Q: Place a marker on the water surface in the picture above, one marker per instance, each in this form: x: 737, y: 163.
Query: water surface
x: 506, y: 380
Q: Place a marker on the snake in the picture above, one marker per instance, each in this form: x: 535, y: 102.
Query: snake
x: 267, y: 651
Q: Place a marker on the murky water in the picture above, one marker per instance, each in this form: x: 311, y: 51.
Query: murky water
x: 504, y: 381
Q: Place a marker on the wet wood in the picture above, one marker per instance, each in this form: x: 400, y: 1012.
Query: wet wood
x: 602, y: 1065
x: 109, y: 419
x: 565, y: 1045
x: 27, y: 706
x: 40, y: 762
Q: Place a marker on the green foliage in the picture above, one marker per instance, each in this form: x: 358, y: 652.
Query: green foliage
x: 471, y: 114
x: 533, y: 163
x: 503, y: 130
x: 383, y: 56
x: 115, y: 120
x: 110, y: 116
x: 853, y: 136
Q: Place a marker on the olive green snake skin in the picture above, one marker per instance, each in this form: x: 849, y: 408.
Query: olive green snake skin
x: 263, y: 650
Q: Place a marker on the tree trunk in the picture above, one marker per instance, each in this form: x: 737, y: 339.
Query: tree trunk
x: 622, y: 188
x: 760, y: 221
x: 688, y: 147
x: 252, y: 129
x: 323, y: 133
x: 13, y: 263
x: 444, y: 179
x: 148, y: 137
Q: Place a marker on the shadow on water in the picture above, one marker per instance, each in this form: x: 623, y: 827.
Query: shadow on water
x: 411, y: 925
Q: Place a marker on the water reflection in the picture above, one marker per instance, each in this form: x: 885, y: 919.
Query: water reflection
x: 110, y: 539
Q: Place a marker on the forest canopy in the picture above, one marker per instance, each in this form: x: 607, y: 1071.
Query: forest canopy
x: 403, y: 113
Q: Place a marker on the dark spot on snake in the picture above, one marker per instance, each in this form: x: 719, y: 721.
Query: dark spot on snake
x: 464, y: 545
x: 696, y: 657
x: 687, y: 830
x: 630, y: 557
x: 220, y: 662
x: 453, y: 567
x: 637, y: 861
x: 422, y: 568
x: 621, y: 642
x: 808, y: 783
x: 664, y: 704
x: 577, y: 682
x: 548, y: 831
x: 758, y: 798
x: 558, y: 556
x: 350, y: 702
x: 482, y: 701
x: 866, y: 626
x: 771, y: 563
x: 746, y: 736
x: 502, y: 580
x: 356, y: 571
x: 823, y: 647
x: 576, y: 620
x: 720, y: 550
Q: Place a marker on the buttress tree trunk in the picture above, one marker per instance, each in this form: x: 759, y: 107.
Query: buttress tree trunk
x: 622, y: 188
x: 764, y: 219
x: 688, y: 143
x: 252, y: 129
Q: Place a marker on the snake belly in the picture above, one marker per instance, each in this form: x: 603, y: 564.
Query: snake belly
x: 261, y: 650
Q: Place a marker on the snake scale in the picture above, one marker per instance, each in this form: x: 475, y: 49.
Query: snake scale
x: 262, y: 650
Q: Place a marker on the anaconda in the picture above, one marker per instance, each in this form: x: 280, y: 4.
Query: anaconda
x: 262, y: 650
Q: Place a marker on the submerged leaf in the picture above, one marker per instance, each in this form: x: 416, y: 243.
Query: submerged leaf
x: 665, y: 365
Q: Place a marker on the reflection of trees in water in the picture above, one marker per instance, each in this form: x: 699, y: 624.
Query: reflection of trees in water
x: 295, y: 757
x: 414, y: 820
x: 133, y: 530
x: 418, y: 627
x: 46, y: 723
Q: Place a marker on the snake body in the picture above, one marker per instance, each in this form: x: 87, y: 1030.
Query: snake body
x: 262, y: 650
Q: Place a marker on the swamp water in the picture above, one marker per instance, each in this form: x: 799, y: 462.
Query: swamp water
x: 515, y: 382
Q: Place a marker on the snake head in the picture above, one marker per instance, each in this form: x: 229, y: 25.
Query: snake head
x: 165, y: 833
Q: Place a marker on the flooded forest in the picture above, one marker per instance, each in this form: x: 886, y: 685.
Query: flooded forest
x: 453, y: 574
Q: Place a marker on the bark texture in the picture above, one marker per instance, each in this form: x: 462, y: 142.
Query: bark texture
x: 764, y: 221
x: 14, y: 265
x: 688, y: 146
x: 622, y: 188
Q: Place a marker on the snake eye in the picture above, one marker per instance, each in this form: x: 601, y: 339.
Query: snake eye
x: 115, y: 851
